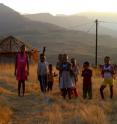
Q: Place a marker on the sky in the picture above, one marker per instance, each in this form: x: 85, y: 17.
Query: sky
x: 67, y: 7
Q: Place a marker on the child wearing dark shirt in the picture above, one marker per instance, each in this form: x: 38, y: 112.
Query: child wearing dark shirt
x: 87, y: 82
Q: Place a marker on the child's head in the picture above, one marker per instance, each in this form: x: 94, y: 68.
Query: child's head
x: 86, y: 65
x: 60, y: 57
x: 22, y: 48
x: 50, y: 67
x: 73, y: 61
x: 107, y: 60
x: 65, y: 57
x: 42, y: 58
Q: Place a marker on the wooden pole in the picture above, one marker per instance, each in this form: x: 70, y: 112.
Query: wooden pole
x: 96, y: 47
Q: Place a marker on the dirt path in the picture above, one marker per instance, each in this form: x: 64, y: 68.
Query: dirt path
x: 25, y: 109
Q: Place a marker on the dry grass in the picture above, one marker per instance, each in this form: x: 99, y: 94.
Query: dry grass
x: 92, y: 114
x: 5, y: 111
x: 59, y: 111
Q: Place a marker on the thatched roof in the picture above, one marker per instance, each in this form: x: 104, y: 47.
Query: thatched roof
x: 10, y: 45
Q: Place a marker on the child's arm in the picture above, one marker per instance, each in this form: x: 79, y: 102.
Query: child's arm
x: 27, y: 65
x: 57, y: 66
x: 113, y: 72
x: 102, y: 73
x: 15, y: 65
x: 55, y: 75
x: 44, y: 50
x: 38, y: 70
x: 82, y: 73
x: 91, y: 73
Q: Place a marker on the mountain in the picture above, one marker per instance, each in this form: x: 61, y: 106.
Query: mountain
x: 78, y: 44
x: 83, y: 21
x: 68, y: 22
x: 12, y: 21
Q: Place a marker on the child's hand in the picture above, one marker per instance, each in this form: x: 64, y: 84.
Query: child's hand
x: 114, y: 77
x: 15, y: 73
x: 55, y: 75
x: 28, y: 72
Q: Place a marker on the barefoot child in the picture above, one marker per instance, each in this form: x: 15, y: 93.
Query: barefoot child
x: 108, y: 75
x: 66, y: 83
x: 59, y: 64
x: 59, y: 67
x: 21, y: 69
x: 42, y: 71
x: 50, y: 77
x: 75, y: 72
x: 87, y: 82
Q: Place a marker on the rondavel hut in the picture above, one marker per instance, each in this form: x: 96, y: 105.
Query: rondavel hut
x: 10, y: 46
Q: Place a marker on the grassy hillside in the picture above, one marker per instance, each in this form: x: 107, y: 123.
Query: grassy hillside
x: 31, y: 109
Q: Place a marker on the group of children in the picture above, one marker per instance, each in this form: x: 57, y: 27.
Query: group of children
x: 68, y: 75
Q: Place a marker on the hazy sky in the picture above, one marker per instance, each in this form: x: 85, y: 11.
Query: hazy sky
x: 61, y: 6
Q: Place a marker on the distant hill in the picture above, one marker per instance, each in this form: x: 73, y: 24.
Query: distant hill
x: 69, y: 22
x: 75, y: 22
x: 12, y: 21
x: 57, y: 39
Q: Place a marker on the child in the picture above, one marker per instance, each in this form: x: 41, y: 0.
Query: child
x: 87, y: 82
x: 66, y: 83
x: 75, y: 72
x: 42, y: 73
x: 108, y: 75
x: 21, y: 68
x: 58, y: 67
x: 51, y: 76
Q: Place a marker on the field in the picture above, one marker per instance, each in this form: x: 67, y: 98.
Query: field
x: 31, y: 109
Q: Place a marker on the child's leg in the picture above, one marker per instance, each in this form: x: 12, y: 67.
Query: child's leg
x: 101, y: 90
x: 69, y: 91
x: 19, y: 87
x: 51, y: 85
x: 64, y: 92
x: 48, y: 86
x: 43, y: 83
x: 40, y: 80
x: 46, y: 82
x: 75, y: 92
x: 84, y: 90
x: 111, y: 91
x: 23, y: 86
x: 90, y: 91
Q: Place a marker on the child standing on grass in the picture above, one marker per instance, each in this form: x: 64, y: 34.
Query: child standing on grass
x: 42, y: 71
x: 87, y: 81
x: 50, y: 77
x: 59, y: 67
x: 108, y: 75
x: 21, y: 69
x: 66, y: 82
x: 59, y: 64
x: 75, y: 72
